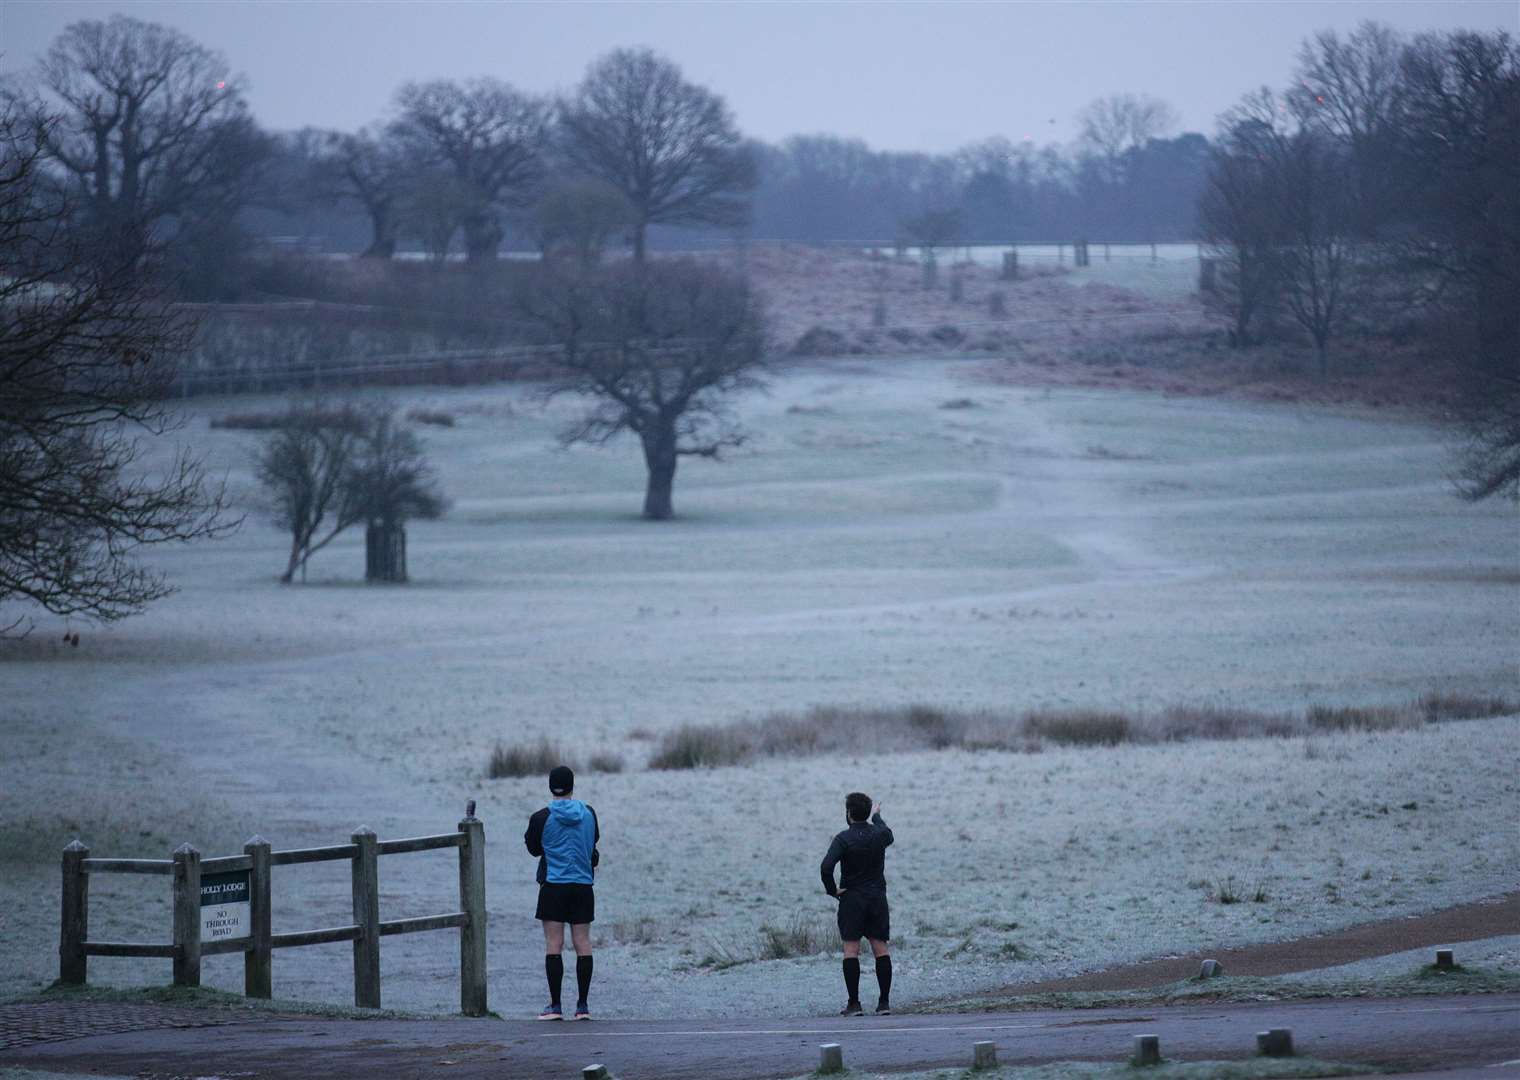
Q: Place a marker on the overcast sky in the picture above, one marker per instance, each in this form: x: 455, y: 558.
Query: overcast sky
x: 911, y: 76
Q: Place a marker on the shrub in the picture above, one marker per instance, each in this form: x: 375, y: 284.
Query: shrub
x: 1360, y: 718
x: 1079, y: 727
x: 436, y: 417
x: 1436, y: 707
x: 644, y: 930
x: 524, y: 759
x: 701, y: 746
x: 604, y: 761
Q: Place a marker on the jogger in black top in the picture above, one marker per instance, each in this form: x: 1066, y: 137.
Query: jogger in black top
x: 862, y: 896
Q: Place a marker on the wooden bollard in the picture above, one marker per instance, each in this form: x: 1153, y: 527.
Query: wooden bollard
x: 366, y: 888
x: 830, y: 1058
x: 74, y: 929
x: 1445, y: 960
x: 1147, y: 1050
x: 984, y: 1055
x: 1210, y: 969
x: 187, y: 916
x: 258, y: 974
x: 1275, y: 1043
x: 1011, y: 265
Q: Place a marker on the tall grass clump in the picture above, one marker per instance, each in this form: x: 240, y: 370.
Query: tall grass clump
x: 524, y: 759
x: 1437, y: 707
x: 799, y: 936
x: 1079, y: 727
x: 702, y: 746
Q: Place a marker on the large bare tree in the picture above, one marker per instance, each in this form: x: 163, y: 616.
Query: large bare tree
x: 1113, y: 127
x: 1462, y: 144
x: 658, y: 348
x: 86, y: 355
x: 489, y: 136
x: 369, y: 168
x: 668, y: 145
x: 149, y: 125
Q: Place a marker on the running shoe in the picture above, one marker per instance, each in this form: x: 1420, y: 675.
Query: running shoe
x: 852, y: 1009
x: 551, y: 1012
x: 582, y: 1011
x: 883, y: 1008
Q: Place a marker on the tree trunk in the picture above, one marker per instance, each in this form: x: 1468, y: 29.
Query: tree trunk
x: 482, y: 236
x: 660, y: 456
x: 639, y: 229
x: 385, y: 552
x: 1324, y: 357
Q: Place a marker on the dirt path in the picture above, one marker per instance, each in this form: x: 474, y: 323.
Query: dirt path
x: 1390, y: 1033
x: 1496, y: 916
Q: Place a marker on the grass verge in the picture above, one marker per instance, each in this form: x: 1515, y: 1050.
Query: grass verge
x: 1251, y: 1069
x: 1420, y: 982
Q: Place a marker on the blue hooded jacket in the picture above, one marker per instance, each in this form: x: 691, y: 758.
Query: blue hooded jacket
x: 564, y: 835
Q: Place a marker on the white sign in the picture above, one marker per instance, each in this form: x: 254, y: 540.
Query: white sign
x: 224, y: 906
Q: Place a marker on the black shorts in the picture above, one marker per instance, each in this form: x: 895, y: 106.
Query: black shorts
x: 864, y: 915
x: 566, y: 902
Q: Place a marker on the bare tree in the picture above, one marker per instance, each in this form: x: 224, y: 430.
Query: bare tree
x: 86, y: 354
x: 488, y: 135
x: 1314, y: 208
x: 307, y: 465
x: 1236, y: 212
x: 577, y: 217
x: 929, y: 231
x: 1114, y: 126
x: 1462, y: 144
x: 370, y: 169
x: 150, y: 126
x: 1351, y: 88
x: 658, y: 347
x: 669, y: 146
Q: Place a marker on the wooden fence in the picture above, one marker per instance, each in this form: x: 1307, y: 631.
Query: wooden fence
x: 237, y: 889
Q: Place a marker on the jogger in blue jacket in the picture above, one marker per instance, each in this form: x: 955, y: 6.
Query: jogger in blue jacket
x: 564, y: 836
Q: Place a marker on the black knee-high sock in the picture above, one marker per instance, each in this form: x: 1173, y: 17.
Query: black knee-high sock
x: 884, y: 976
x: 582, y: 978
x: 852, y: 976
x: 554, y: 967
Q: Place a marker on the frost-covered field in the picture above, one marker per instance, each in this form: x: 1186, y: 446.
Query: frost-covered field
x: 869, y: 546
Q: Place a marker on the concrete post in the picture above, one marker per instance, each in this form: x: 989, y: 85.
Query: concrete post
x: 74, y: 929
x: 472, y: 901
x: 187, y: 916
x: 596, y: 1072
x: 1147, y: 1050
x: 830, y: 1058
x: 1277, y: 1042
x: 1211, y: 969
x: 984, y: 1055
x: 1445, y: 960
x: 258, y: 962
x: 366, y: 890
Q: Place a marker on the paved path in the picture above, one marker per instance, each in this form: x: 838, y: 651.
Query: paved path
x: 1422, y: 1033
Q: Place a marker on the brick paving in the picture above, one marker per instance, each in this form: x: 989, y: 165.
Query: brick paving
x: 54, y: 1021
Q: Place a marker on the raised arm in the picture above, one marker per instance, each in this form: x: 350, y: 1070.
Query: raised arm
x: 826, y: 869
x: 886, y: 830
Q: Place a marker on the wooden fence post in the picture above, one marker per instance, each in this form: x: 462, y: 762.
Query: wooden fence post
x: 472, y: 901
x: 74, y: 930
x: 366, y: 881
x: 187, y: 916
x: 258, y: 976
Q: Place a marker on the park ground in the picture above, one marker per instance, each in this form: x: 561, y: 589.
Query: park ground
x: 898, y: 530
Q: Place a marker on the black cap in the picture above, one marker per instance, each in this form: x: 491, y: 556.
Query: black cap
x: 561, y: 780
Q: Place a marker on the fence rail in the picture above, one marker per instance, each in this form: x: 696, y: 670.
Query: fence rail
x: 256, y: 941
